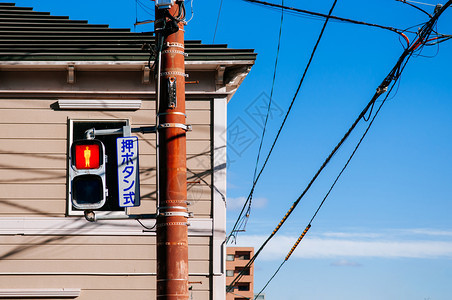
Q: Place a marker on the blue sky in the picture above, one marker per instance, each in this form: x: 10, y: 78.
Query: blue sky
x: 385, y: 232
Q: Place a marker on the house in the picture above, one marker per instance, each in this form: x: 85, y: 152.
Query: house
x: 236, y: 260
x: 60, y: 78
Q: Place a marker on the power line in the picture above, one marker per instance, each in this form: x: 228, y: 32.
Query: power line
x: 336, y: 18
x: 236, y: 225
x: 242, y: 219
x: 218, y: 19
x: 414, y: 6
x: 326, y: 196
x: 234, y: 229
x: 405, y: 1
x: 145, y: 8
x: 285, y: 118
x: 393, y: 76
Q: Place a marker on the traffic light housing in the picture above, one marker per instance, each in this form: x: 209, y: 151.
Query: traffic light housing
x: 87, y: 174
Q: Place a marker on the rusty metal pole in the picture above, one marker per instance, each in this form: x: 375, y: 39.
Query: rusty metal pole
x: 172, y: 233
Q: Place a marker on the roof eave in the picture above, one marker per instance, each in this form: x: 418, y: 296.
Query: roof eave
x: 114, y: 65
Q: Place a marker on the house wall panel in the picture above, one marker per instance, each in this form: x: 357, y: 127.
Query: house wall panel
x: 29, y: 207
x: 25, y: 131
x: 75, y: 240
x: 19, y: 175
x: 32, y: 162
x: 94, y: 266
x: 84, y: 282
x: 91, y: 252
x: 32, y: 191
x: 43, y: 103
x: 48, y: 116
x: 58, y: 146
x: 33, y: 170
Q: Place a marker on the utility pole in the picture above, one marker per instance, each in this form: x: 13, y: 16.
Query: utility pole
x: 172, y: 233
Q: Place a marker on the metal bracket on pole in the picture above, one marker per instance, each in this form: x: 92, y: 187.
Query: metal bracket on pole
x: 174, y: 213
x: 91, y: 216
x: 126, y: 131
x: 175, y: 125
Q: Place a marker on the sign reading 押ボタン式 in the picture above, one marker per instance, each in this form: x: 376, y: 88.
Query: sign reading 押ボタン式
x: 128, y: 173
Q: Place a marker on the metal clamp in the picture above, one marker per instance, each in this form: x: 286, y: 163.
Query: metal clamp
x: 178, y: 45
x: 173, y: 207
x: 173, y: 73
x: 175, y: 52
x: 175, y: 214
x: 175, y: 125
x: 172, y: 113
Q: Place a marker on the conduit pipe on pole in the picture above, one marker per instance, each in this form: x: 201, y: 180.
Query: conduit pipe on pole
x: 171, y: 228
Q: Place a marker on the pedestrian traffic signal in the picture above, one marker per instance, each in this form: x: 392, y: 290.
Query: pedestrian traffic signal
x: 87, y: 155
x: 87, y: 174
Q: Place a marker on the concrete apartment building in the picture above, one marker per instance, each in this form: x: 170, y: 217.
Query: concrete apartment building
x: 60, y: 77
x: 236, y: 260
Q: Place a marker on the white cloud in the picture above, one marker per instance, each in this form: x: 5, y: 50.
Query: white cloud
x: 352, y: 235
x: 429, y: 232
x: 238, y: 202
x: 349, y: 245
x: 345, y: 263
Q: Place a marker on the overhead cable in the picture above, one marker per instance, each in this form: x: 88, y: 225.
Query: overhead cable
x: 234, y: 230
x: 242, y: 219
x: 393, y: 76
x: 312, y: 13
x: 218, y: 20
x: 237, y: 278
x: 303, y: 234
x: 414, y: 6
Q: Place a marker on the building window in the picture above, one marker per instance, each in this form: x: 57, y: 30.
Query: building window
x: 243, y: 255
x: 230, y: 257
x: 77, y: 129
x: 229, y: 273
x: 242, y: 287
x: 246, y: 271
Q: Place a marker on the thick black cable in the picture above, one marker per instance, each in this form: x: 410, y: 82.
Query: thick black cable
x: 414, y: 6
x: 334, y: 183
x: 145, y: 8
x: 280, y: 129
x: 247, y: 203
x: 357, y: 145
x: 288, y: 110
x: 234, y: 229
x: 146, y: 227
x: 268, y: 282
x: 303, y: 11
x: 394, y: 74
x: 218, y: 20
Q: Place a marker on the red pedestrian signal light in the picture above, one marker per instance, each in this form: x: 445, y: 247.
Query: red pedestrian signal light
x: 87, y: 156
x: 87, y: 187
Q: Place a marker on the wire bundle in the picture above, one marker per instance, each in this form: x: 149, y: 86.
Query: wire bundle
x: 426, y: 36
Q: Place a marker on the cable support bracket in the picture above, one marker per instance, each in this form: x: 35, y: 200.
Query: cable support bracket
x: 175, y: 52
x: 176, y: 214
x: 178, y: 45
x: 175, y: 125
x: 381, y: 90
x: 172, y: 113
x: 173, y: 73
x: 167, y: 224
x: 173, y: 207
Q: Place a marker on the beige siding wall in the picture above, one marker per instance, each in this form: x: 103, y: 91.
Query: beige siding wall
x: 33, y: 163
x: 33, y: 156
x: 102, y: 267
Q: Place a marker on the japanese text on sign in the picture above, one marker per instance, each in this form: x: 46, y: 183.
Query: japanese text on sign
x: 128, y: 173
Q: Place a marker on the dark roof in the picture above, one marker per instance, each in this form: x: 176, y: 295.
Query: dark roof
x: 27, y: 35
